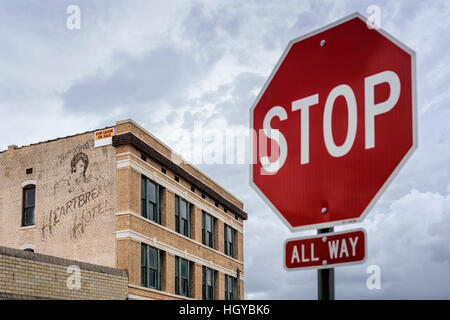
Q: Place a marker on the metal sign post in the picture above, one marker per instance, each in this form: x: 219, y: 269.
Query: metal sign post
x: 325, y: 277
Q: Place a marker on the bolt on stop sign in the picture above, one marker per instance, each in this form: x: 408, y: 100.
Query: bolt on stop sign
x: 334, y: 123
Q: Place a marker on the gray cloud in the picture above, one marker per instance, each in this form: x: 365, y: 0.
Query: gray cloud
x: 161, y: 74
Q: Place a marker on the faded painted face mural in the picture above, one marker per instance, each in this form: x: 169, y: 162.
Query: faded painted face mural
x: 75, y: 181
x: 79, y: 165
x: 83, y: 194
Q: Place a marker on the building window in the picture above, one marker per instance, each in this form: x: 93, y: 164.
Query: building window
x: 229, y: 241
x: 229, y: 287
x: 208, y: 229
x: 29, y: 200
x: 182, y: 276
x: 150, y: 200
x: 182, y: 216
x: 150, y: 267
x: 208, y: 283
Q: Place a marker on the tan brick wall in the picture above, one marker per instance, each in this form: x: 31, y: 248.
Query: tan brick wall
x: 152, y: 230
x: 219, y: 234
x: 196, y: 223
x: 196, y: 281
x: 239, y: 239
x: 168, y: 273
x: 129, y: 258
x: 74, y: 213
x: 220, y: 286
x: 36, y: 276
x: 241, y: 289
x: 168, y: 205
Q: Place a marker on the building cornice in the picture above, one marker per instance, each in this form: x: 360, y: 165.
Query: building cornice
x: 130, y: 139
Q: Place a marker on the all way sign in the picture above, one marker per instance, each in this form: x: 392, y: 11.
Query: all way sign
x: 325, y: 250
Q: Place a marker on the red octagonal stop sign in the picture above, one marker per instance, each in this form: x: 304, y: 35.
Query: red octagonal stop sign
x: 333, y: 124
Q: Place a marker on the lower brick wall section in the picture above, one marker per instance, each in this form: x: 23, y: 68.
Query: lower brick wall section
x: 28, y: 275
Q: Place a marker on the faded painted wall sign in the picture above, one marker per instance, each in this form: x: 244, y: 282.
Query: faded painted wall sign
x: 82, y: 209
x: 84, y: 190
x: 82, y: 147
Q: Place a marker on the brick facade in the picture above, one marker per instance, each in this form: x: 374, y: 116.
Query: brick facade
x: 28, y: 275
x: 96, y: 217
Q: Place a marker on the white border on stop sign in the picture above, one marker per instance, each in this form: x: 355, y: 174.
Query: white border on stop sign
x: 331, y: 265
x: 396, y: 170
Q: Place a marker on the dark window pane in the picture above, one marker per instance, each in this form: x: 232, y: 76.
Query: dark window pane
x: 152, y: 278
x: 229, y: 287
x: 211, y: 293
x: 208, y: 223
x: 151, y: 192
x: 150, y: 199
x: 143, y: 183
x: 182, y: 226
x: 150, y: 213
x: 153, y: 259
x: 209, y: 277
x: 29, y: 197
x: 151, y: 267
x: 183, y: 212
x: 183, y: 268
x: 154, y: 212
x: 143, y: 254
x: 143, y: 211
x: 29, y: 216
x: 186, y: 226
x: 184, y: 287
x: 144, y: 276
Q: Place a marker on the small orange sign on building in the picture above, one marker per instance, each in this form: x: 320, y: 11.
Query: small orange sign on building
x: 103, y: 137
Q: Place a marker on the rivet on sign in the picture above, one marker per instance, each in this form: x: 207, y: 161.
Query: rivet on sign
x: 324, y: 210
x: 324, y: 239
x: 324, y: 262
x: 322, y: 43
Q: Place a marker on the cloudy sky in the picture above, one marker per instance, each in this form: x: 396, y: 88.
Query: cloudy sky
x: 172, y: 64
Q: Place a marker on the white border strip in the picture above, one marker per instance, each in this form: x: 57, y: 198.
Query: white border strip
x: 102, y: 142
x: 164, y: 293
x: 27, y: 246
x: 136, y: 297
x: 130, y: 234
x: 29, y: 182
x: 178, y: 189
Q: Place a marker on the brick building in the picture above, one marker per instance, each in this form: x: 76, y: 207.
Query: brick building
x: 119, y: 198
x: 30, y: 276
